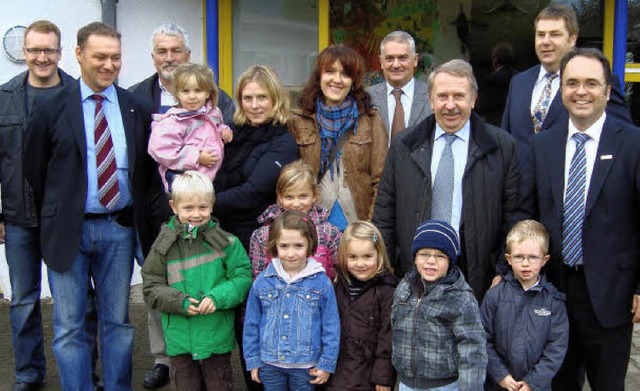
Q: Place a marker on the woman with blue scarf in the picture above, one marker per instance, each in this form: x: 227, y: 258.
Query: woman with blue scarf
x: 341, y: 135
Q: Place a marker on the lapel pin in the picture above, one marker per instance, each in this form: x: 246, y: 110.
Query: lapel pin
x: 606, y: 157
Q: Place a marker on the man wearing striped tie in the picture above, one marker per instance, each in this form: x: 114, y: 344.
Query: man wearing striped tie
x: 93, y: 185
x: 584, y: 186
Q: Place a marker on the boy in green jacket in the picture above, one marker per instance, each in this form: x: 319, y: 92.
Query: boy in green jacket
x: 196, y: 274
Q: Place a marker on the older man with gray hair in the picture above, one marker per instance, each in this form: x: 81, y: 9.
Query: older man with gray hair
x: 169, y: 48
x: 451, y: 167
x: 402, y: 100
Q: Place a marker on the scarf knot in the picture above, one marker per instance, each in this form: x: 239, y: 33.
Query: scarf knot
x: 333, y: 122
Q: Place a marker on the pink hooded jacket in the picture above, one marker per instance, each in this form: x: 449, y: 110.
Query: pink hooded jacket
x: 178, y: 137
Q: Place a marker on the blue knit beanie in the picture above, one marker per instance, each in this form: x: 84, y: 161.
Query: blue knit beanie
x: 439, y: 235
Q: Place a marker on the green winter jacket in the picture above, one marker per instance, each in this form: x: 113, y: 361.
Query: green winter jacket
x: 206, y: 262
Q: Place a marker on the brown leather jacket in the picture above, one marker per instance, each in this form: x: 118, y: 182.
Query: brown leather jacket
x: 363, y: 155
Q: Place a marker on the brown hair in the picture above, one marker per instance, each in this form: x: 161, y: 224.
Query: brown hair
x: 592, y: 53
x: 363, y: 230
x: 296, y: 221
x: 204, y: 78
x: 298, y: 172
x: 43, y: 27
x: 560, y: 11
x: 354, y: 68
x: 528, y: 230
x: 96, y: 28
x: 266, y: 78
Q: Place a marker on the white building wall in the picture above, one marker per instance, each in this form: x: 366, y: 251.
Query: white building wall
x: 136, y: 21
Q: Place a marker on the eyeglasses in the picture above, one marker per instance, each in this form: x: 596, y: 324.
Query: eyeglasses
x: 530, y: 258
x: 37, y: 51
x: 589, y: 85
x: 436, y: 256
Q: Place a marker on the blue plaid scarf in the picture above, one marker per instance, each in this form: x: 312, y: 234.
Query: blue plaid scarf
x: 333, y: 122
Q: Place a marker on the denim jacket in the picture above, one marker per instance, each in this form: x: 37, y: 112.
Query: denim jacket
x: 292, y: 322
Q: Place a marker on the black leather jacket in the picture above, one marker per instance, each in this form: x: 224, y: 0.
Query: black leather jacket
x: 17, y: 198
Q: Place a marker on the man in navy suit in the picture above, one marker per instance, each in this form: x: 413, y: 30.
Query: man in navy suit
x: 584, y: 186
x: 556, y: 32
x: 90, y: 222
x: 399, y: 59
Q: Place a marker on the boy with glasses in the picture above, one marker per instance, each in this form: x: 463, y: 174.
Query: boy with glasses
x: 525, y: 316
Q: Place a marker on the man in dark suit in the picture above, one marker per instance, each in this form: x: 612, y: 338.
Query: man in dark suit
x: 585, y: 188
x: 399, y: 59
x: 493, y: 89
x: 93, y: 183
x: 452, y: 167
x: 170, y: 48
x: 533, y: 104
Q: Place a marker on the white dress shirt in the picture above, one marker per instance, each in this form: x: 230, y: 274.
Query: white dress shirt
x: 538, y: 87
x: 406, y: 98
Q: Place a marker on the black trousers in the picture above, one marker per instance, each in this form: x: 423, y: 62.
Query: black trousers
x: 602, y: 352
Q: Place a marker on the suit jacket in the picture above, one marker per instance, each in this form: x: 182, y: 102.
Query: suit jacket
x: 56, y: 168
x: 516, y: 118
x: 489, y: 197
x: 611, y: 230
x: 420, y: 107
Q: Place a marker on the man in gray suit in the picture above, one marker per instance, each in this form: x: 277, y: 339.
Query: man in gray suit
x: 398, y: 59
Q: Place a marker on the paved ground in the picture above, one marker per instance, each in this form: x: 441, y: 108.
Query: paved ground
x: 142, y: 361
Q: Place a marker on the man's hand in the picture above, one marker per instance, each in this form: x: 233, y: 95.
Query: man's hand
x: 635, y: 308
x: 524, y: 386
x: 509, y: 383
x: 496, y: 280
x: 226, y: 135
x: 321, y: 376
x: 206, y: 306
x: 382, y: 388
x: 3, y: 233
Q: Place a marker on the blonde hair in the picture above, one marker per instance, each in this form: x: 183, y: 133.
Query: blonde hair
x: 362, y: 230
x: 192, y: 183
x: 266, y: 78
x: 296, y: 173
x: 528, y: 230
x: 205, y: 79
x: 295, y: 221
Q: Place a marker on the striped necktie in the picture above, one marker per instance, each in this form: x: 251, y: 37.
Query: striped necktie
x: 540, y: 111
x: 108, y: 189
x: 573, y: 215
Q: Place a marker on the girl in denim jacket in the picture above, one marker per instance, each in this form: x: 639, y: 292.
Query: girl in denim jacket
x: 297, y: 189
x: 292, y: 328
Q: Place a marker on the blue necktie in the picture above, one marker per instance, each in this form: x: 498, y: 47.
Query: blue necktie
x: 573, y: 216
x: 443, y: 183
x: 541, y: 108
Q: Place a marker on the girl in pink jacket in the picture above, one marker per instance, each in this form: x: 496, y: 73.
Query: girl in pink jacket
x: 191, y: 135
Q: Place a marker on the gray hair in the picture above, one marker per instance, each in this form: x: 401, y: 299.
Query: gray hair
x: 457, y: 67
x: 400, y: 37
x: 172, y: 30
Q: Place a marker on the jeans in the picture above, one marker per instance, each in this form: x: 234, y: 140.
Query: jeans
x: 106, y: 255
x: 25, y: 268
x: 449, y: 387
x: 285, y: 379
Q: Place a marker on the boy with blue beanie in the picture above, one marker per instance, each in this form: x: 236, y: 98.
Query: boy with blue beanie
x: 438, y: 338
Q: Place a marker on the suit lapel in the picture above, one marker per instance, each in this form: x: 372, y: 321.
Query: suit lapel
x: 554, y: 156
x: 381, y: 93
x: 610, y: 143
x: 419, y: 102
x: 128, y: 113
x: 76, y: 119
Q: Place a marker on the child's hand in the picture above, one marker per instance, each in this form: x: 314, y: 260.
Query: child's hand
x: 206, y: 306
x: 524, y: 386
x: 382, y: 388
x: 226, y: 135
x: 254, y: 375
x: 321, y: 376
x: 192, y: 309
x: 510, y: 383
x: 207, y: 159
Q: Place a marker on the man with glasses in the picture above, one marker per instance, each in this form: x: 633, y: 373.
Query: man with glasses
x: 19, y: 223
x: 402, y: 100
x: 584, y: 187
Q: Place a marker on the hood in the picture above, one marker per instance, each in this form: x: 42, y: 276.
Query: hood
x: 313, y: 267
x: 318, y: 214
x: 179, y: 114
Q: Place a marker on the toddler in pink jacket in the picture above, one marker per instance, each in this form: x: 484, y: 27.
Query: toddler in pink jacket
x: 191, y: 135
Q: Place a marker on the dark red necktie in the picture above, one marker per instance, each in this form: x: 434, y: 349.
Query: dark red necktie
x: 108, y: 189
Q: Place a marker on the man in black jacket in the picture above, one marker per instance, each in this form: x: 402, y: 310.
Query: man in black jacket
x: 18, y: 221
x: 170, y: 48
x: 479, y: 162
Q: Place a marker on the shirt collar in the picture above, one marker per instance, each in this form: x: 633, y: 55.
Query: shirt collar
x: 162, y: 87
x: 407, y: 89
x: 542, y: 75
x: 594, y: 131
x: 109, y: 93
x: 462, y: 134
